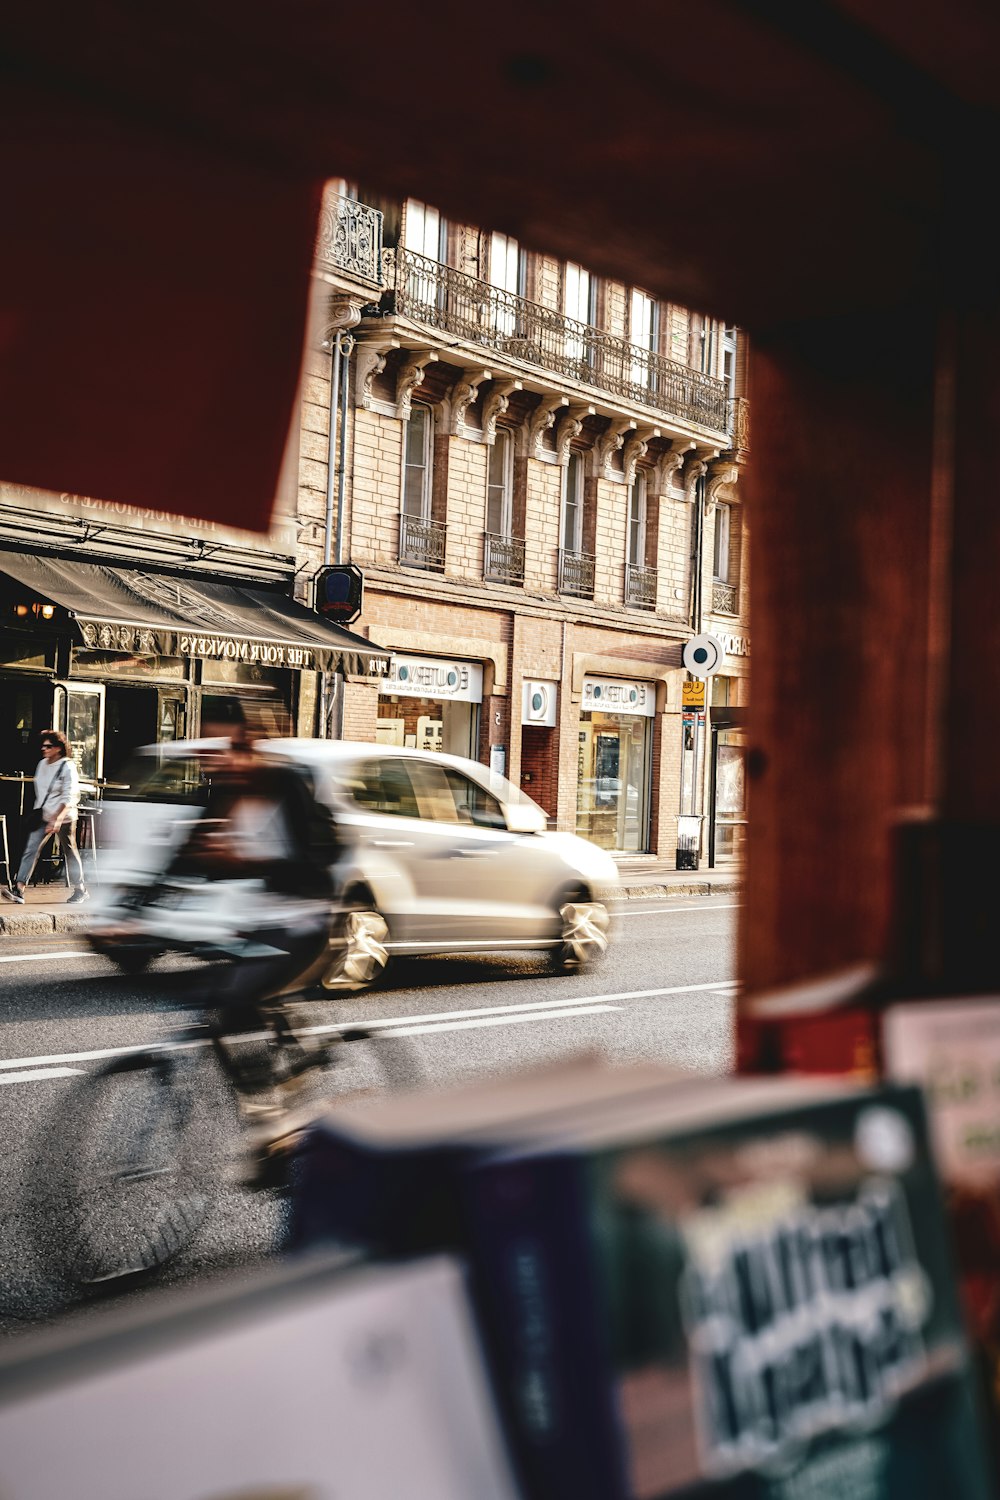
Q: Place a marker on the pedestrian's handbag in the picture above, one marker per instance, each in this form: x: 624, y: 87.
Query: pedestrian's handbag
x: 34, y: 819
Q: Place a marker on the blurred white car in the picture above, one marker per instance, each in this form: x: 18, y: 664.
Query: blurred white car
x: 441, y: 855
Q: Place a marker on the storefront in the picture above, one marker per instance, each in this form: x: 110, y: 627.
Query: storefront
x: 119, y: 657
x: 614, y: 763
x: 431, y: 703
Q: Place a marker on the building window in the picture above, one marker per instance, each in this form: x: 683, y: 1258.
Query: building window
x: 709, y: 360
x: 579, y: 305
x: 723, y: 528
x: 507, y: 274
x: 500, y: 485
x: 417, y: 465
x: 644, y: 332
x: 637, y: 506
x: 572, y: 506
x: 729, y: 360
x: 424, y: 231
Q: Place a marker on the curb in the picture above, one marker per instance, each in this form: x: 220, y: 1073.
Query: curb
x: 20, y: 923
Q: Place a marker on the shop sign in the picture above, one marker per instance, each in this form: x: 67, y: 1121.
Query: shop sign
x: 736, y: 645
x: 109, y: 636
x: 433, y: 677
x: 613, y: 695
x: 539, y: 701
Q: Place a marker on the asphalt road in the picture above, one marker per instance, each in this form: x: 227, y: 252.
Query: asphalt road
x: 664, y: 991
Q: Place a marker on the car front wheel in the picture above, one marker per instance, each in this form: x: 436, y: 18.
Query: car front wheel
x: 583, y: 940
x: 358, y: 955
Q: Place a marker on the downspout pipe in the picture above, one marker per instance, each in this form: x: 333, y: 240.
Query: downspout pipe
x: 331, y: 446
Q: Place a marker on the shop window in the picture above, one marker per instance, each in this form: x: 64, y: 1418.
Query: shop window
x: 418, y: 463
x: 500, y: 485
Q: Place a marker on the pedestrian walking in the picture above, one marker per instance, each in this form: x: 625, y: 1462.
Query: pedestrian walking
x: 57, y: 800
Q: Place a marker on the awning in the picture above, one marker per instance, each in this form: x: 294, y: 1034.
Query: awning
x: 129, y: 609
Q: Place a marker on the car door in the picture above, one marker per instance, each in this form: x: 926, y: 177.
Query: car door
x: 381, y: 820
x: 479, y: 881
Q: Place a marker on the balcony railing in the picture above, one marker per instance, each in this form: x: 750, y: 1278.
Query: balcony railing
x: 724, y: 599
x: 470, y: 309
x: 421, y: 543
x: 640, y: 586
x: 739, y: 425
x: 503, y: 557
x: 576, y: 574
x: 350, y: 239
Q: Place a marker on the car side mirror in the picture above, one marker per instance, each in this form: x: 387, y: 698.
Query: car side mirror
x: 524, y: 817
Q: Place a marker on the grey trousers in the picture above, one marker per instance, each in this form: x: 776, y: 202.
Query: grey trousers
x: 37, y: 839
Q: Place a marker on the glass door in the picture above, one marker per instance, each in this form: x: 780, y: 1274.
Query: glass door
x: 80, y: 715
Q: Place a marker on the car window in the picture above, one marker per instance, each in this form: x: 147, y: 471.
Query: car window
x: 381, y: 786
x: 472, y: 803
x: 434, y: 793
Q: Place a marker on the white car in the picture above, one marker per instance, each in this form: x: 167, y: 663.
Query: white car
x: 441, y: 855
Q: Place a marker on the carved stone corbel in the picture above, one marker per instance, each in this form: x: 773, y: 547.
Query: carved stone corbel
x: 694, y: 467
x: 608, y: 444
x: 542, y: 418
x: 496, y: 404
x: 411, y: 373
x: 569, y: 428
x: 635, y: 448
x: 463, y: 394
x: 668, y: 465
x: 721, y: 471
x: 369, y: 362
x: 341, y: 313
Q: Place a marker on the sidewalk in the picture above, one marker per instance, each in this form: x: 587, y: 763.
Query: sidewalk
x: 45, y: 908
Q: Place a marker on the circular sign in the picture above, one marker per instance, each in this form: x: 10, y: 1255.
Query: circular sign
x: 703, y: 655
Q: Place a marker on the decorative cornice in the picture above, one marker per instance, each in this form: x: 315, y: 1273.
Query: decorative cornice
x: 608, y: 444
x: 495, y: 404
x: 411, y: 373
x: 463, y: 394
x: 542, y: 418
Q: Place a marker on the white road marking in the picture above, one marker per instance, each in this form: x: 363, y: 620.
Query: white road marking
x: 551, y: 1015
x: 32, y: 1074
x: 34, y: 958
x: 657, y: 911
x: 538, y: 1010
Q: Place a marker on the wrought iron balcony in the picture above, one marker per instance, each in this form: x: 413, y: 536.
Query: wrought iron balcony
x: 470, y: 309
x: 725, y: 600
x: 739, y: 425
x: 421, y: 543
x: 640, y: 586
x: 503, y: 557
x: 350, y: 239
x: 576, y: 574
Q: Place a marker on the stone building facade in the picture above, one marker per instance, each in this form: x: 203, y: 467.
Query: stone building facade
x: 537, y: 471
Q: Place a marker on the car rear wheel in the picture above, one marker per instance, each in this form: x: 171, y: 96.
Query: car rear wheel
x: 358, y: 955
x: 584, y: 926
